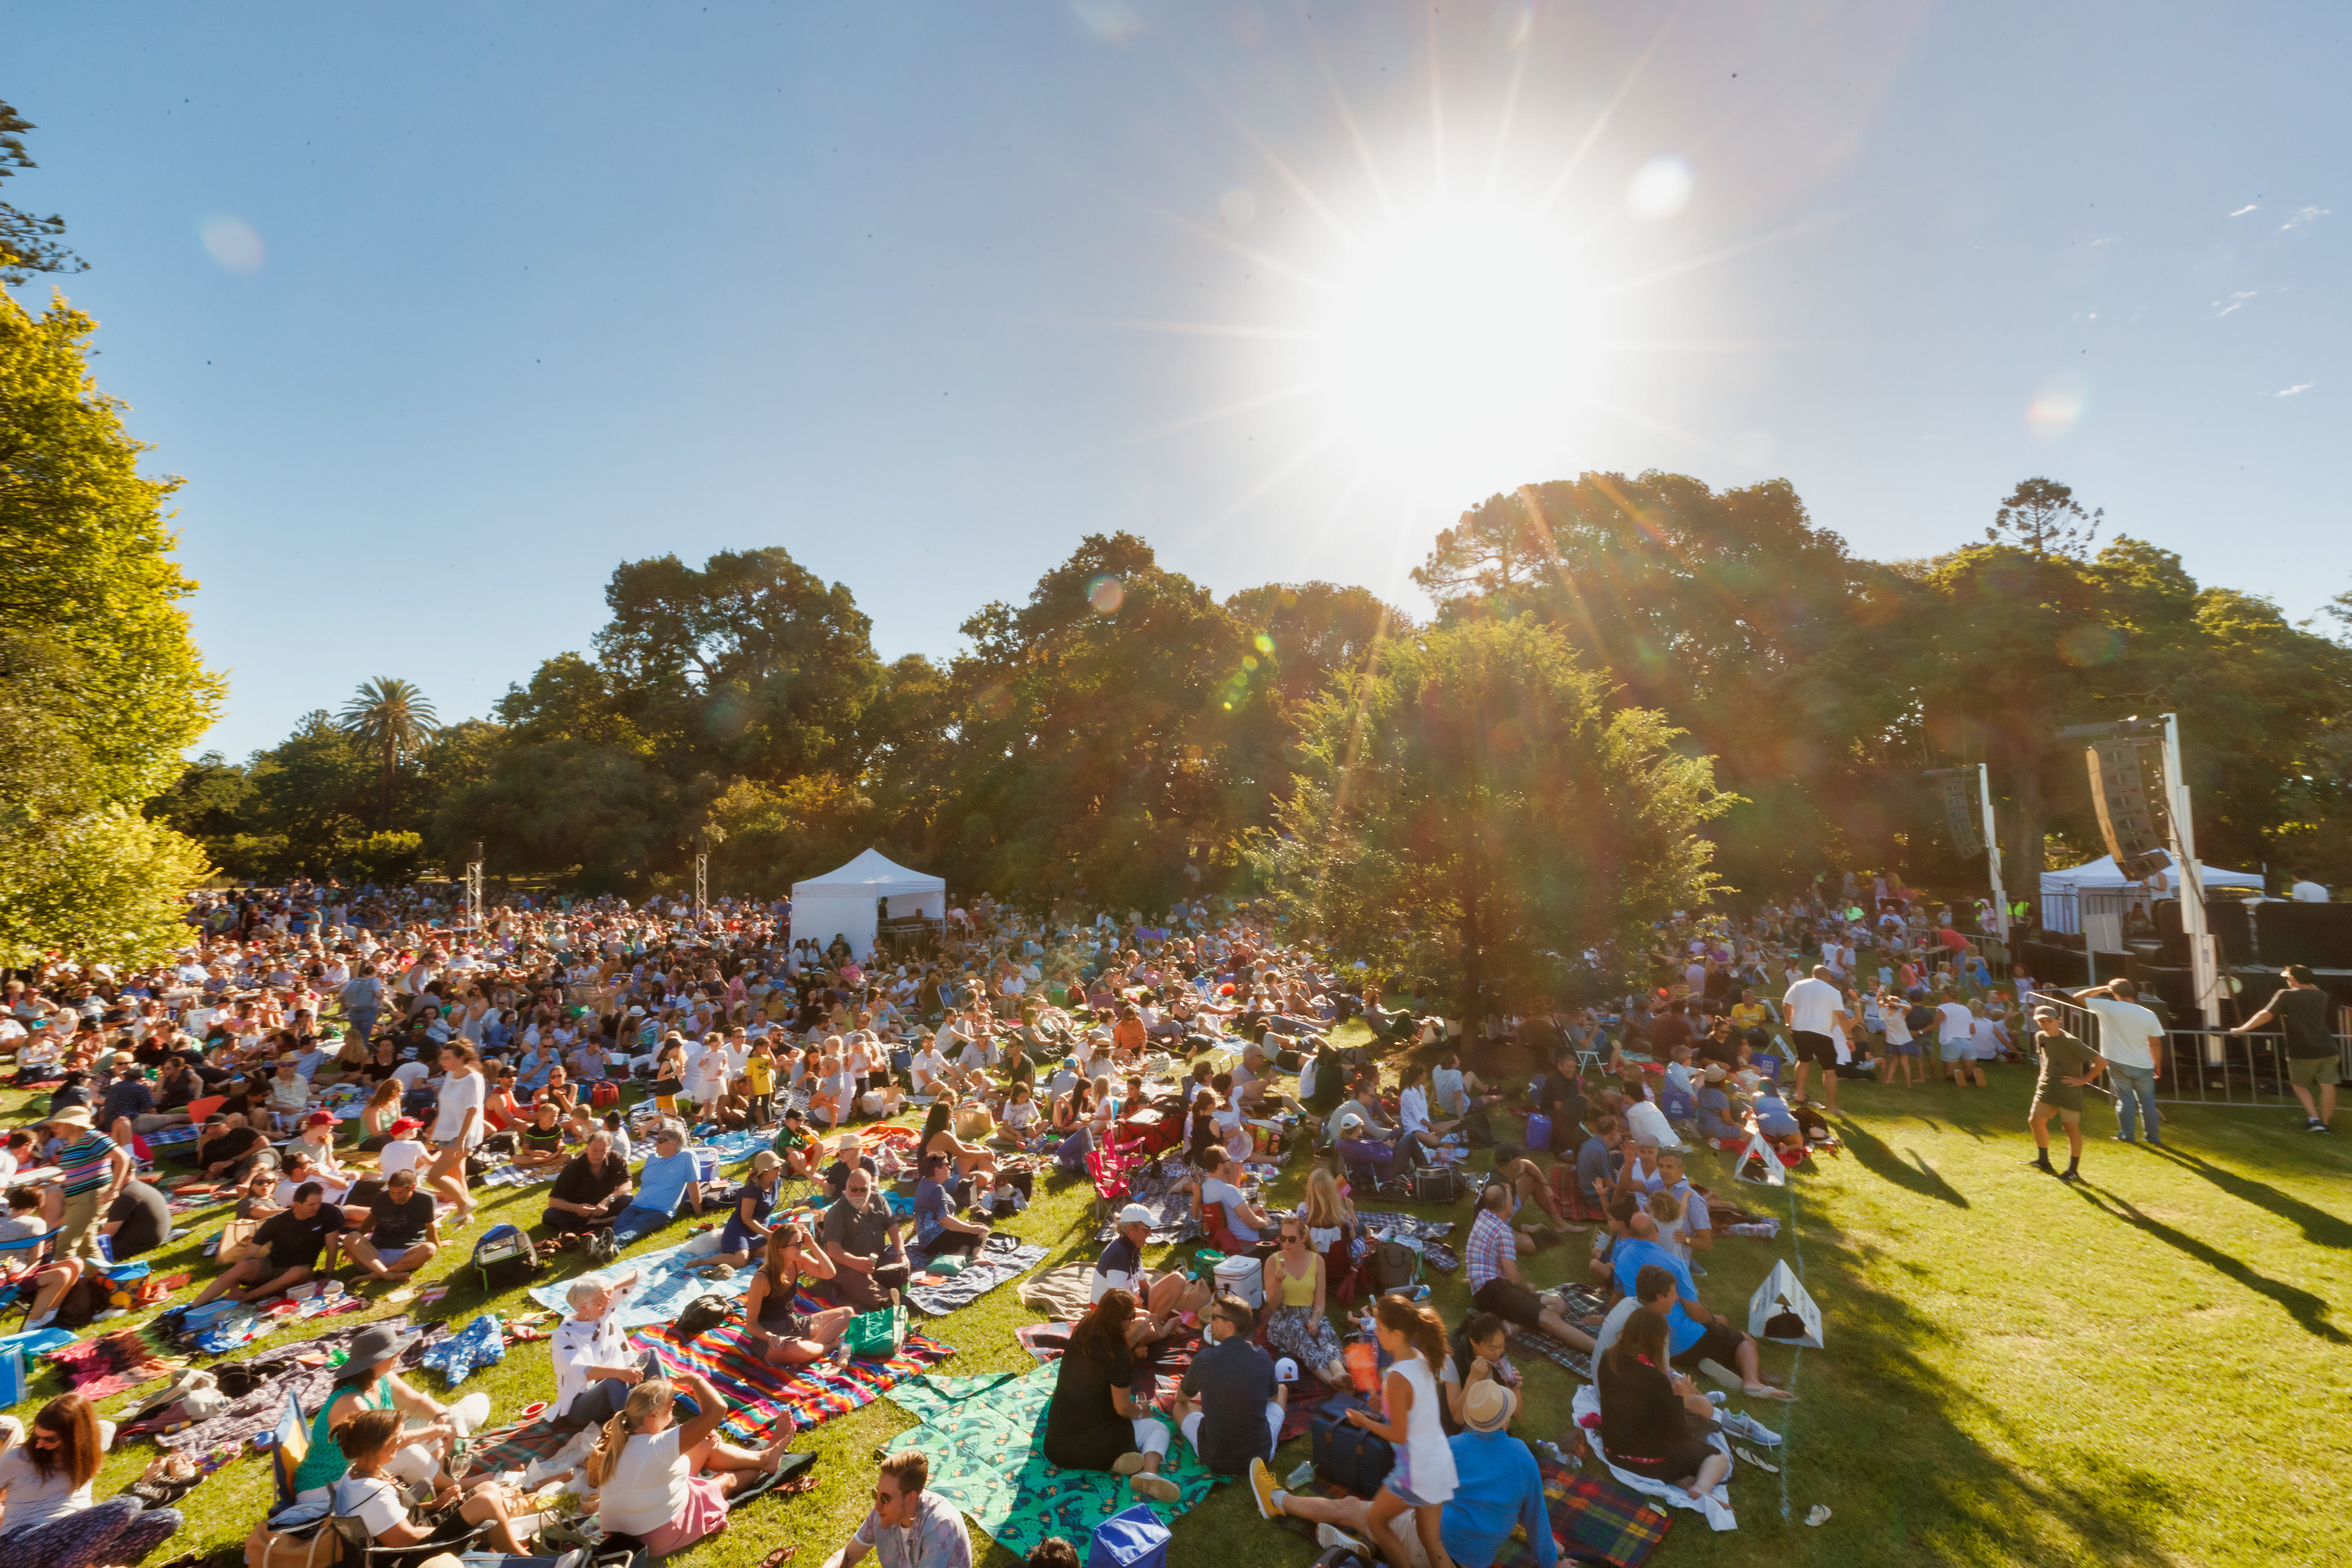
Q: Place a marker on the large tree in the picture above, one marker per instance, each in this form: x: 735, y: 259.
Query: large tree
x: 1474, y: 810
x: 100, y: 684
x: 390, y: 718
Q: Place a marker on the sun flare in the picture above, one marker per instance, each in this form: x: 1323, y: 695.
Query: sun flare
x: 1457, y: 341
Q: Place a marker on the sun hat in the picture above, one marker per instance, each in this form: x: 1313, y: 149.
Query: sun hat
x: 1488, y: 1406
x: 766, y: 1160
x: 72, y: 1116
x: 375, y: 1343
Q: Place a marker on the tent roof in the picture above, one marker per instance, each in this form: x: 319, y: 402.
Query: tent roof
x: 2102, y: 873
x: 873, y: 873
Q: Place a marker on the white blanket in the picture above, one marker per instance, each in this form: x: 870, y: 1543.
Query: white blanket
x: 1715, y: 1504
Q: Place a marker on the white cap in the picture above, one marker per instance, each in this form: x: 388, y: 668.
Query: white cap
x: 1285, y: 1370
x: 1136, y: 1213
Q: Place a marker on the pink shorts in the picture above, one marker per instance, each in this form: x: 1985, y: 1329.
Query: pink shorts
x: 705, y: 1513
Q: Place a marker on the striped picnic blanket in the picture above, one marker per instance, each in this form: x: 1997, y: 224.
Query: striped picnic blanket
x: 1592, y: 1521
x: 760, y: 1392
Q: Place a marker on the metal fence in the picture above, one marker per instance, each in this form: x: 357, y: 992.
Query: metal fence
x: 2208, y: 1067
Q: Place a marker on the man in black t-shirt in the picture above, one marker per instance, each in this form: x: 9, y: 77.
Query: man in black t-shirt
x: 2312, y: 1055
x: 137, y: 1221
x: 1230, y: 1407
x: 286, y: 1249
x: 591, y: 1191
x: 403, y: 1231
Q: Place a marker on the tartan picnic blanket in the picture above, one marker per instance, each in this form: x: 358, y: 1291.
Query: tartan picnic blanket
x: 760, y: 1392
x: 985, y: 1439
x: 1171, y: 1213
x: 1592, y: 1521
x: 518, y: 1176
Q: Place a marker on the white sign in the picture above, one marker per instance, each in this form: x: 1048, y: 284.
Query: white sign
x: 1782, y: 1292
x: 1775, y: 1174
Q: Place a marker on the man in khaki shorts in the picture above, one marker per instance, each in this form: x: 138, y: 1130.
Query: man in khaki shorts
x: 2067, y: 1064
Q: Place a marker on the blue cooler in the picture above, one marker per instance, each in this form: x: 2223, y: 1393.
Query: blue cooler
x: 1136, y: 1539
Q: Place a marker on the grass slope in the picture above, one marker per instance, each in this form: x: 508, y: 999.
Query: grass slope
x: 2149, y: 1368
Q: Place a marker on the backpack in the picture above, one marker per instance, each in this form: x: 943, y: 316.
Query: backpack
x: 1434, y: 1185
x: 702, y: 1314
x: 1395, y: 1266
x: 1348, y: 1455
x: 505, y: 1258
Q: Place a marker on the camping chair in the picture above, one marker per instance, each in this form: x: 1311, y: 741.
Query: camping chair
x: 360, y: 1550
x: 20, y: 1305
x: 1108, y: 1173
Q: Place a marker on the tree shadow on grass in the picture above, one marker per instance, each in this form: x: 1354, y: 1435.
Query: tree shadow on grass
x: 1882, y: 1162
x: 1913, y: 1484
x: 2318, y: 1225
x: 2309, y: 1310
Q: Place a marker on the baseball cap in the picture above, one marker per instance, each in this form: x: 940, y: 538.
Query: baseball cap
x: 1286, y: 1371
x: 404, y: 1127
x: 1136, y: 1213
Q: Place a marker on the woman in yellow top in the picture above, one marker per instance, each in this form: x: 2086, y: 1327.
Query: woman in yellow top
x: 760, y: 1073
x: 1293, y: 1297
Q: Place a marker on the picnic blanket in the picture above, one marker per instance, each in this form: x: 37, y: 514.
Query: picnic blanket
x: 985, y: 1439
x: 1060, y: 1292
x: 520, y: 1176
x: 102, y: 1367
x: 1171, y: 1213
x: 1528, y: 1341
x: 1001, y: 1259
x: 760, y: 1392
x: 669, y: 1281
x: 1592, y: 1520
x: 304, y: 1374
x: 1714, y: 1504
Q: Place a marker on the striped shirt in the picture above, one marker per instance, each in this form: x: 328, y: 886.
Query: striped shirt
x: 85, y: 1163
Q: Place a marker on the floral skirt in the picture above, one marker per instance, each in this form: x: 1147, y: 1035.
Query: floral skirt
x: 1305, y: 1335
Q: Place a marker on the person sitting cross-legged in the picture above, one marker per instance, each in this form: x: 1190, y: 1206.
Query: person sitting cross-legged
x: 1162, y: 1301
x: 289, y: 1243
x: 404, y: 1233
x: 1229, y: 1405
x: 670, y: 1175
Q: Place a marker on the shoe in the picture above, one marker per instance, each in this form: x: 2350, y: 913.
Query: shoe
x: 1766, y: 1466
x: 1157, y: 1488
x: 2043, y: 1166
x: 1739, y: 1424
x: 2070, y: 1175
x: 2157, y: 1143
x: 1260, y: 1480
x: 1126, y: 1464
x: 2124, y: 1138
x: 1328, y: 1536
x: 2313, y: 1124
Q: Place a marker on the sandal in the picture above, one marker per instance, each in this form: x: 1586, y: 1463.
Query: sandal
x: 777, y: 1558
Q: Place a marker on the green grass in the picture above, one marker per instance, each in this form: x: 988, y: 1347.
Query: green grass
x: 2150, y: 1368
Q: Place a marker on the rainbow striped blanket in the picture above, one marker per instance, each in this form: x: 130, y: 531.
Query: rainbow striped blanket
x: 760, y: 1394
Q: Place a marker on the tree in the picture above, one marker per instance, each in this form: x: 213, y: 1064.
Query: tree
x: 390, y: 718
x: 1473, y: 809
x: 2042, y: 518
x: 100, y: 685
x: 28, y: 244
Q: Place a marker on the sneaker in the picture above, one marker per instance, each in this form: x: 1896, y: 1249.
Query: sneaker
x: 1739, y: 1424
x: 1157, y: 1488
x: 1328, y: 1536
x: 2155, y: 1142
x: 1260, y: 1480
x: 2043, y: 1166
x: 2070, y: 1175
x: 2124, y: 1138
x: 2313, y: 1124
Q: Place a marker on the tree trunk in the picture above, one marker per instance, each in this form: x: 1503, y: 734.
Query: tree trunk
x: 2029, y: 818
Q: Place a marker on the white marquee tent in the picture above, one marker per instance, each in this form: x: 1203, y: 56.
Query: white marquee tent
x: 2097, y: 889
x: 843, y: 903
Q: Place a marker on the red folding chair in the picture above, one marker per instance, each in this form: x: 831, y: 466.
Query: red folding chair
x: 1108, y: 1173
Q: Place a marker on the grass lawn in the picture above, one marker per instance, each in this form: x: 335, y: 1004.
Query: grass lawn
x: 2148, y: 1368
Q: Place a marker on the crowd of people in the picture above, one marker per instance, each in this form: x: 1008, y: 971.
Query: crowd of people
x: 338, y: 1066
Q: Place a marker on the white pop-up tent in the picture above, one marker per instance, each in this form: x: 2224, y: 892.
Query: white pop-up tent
x: 2097, y: 889
x: 845, y: 902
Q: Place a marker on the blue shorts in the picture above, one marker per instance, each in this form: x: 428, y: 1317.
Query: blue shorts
x: 1957, y: 1050
x: 1909, y: 1048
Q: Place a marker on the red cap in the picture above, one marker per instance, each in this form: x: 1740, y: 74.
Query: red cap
x: 404, y: 1127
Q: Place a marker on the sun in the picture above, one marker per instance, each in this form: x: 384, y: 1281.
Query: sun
x: 1456, y: 346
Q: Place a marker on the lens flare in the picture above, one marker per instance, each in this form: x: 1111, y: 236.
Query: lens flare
x: 231, y: 241
x: 2058, y: 403
x: 1106, y: 593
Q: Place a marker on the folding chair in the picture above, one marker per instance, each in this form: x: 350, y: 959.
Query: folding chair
x: 20, y: 1305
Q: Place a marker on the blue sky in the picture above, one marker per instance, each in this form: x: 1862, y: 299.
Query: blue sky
x: 441, y: 310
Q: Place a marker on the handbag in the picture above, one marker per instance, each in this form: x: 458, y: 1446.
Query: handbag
x: 1395, y: 1267
x: 664, y: 1088
x: 1347, y: 1455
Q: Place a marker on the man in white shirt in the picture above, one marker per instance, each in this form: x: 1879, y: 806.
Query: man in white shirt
x: 925, y: 1068
x: 1955, y: 1028
x: 2131, y: 1041
x: 2306, y: 891
x: 1814, y: 1009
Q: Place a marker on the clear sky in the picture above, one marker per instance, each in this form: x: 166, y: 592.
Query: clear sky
x: 443, y: 310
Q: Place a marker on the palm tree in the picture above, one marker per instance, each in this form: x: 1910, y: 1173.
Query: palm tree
x: 389, y: 717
